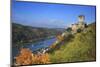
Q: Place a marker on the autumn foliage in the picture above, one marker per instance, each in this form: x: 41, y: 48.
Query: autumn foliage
x: 26, y: 57
x: 41, y: 59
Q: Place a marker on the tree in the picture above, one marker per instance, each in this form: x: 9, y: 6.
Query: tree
x: 69, y: 29
x: 26, y: 57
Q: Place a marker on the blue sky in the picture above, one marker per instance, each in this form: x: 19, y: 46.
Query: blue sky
x: 50, y: 15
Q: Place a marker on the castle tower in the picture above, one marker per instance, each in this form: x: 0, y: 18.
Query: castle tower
x: 81, y: 21
x: 81, y: 18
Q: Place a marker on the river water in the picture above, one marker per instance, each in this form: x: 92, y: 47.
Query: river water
x: 35, y: 46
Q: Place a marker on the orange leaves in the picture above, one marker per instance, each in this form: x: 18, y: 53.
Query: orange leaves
x: 26, y: 57
x: 41, y: 59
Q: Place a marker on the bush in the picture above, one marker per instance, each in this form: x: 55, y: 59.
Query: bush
x: 79, y: 30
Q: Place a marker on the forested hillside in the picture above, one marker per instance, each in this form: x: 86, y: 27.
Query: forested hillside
x: 27, y: 34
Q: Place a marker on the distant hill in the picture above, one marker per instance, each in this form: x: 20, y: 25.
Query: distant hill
x: 27, y: 34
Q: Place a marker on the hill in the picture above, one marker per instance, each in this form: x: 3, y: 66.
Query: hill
x: 27, y: 34
x: 80, y: 47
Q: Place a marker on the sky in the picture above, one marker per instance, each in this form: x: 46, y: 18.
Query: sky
x: 50, y: 15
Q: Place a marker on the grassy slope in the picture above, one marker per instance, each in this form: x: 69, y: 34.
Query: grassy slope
x: 80, y: 48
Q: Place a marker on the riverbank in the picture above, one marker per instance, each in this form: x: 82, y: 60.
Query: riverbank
x: 22, y: 34
x: 37, y: 46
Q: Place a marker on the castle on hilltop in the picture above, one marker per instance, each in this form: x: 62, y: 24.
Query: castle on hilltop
x: 80, y: 25
x: 75, y: 28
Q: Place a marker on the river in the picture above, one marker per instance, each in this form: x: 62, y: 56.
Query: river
x: 35, y: 46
